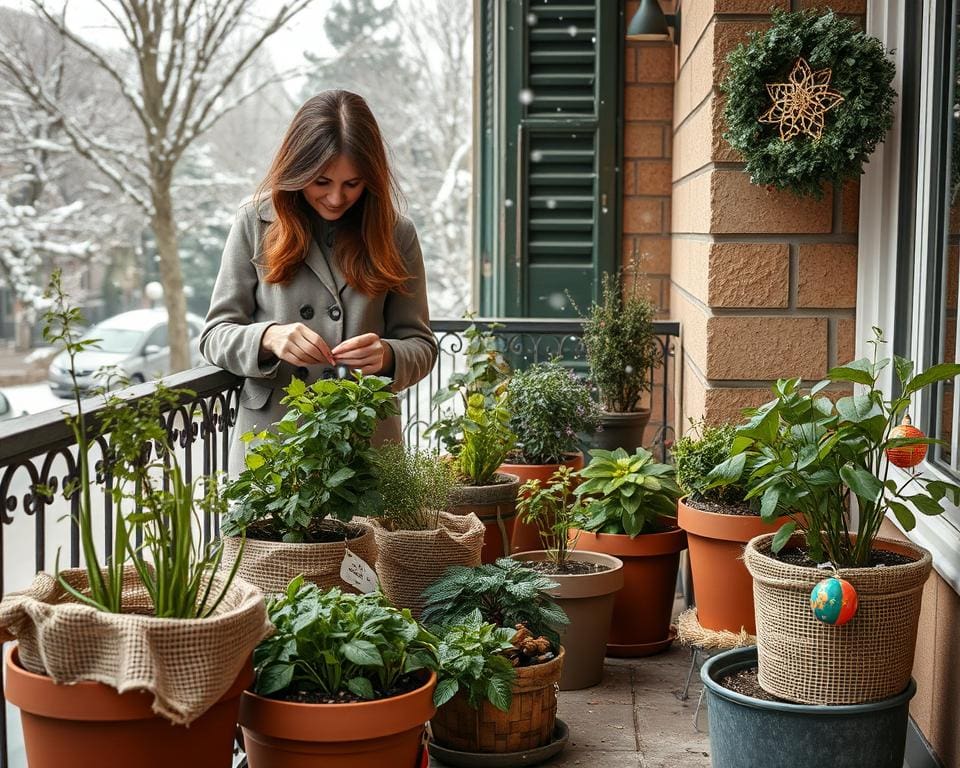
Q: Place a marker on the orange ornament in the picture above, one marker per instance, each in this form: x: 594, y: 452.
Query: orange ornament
x: 906, y: 456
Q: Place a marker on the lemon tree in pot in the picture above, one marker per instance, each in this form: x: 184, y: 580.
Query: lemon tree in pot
x: 135, y: 647
x: 305, y: 480
x: 550, y: 408
x: 836, y: 606
x: 630, y: 507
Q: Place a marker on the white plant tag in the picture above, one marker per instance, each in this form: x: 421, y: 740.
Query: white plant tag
x: 357, y: 573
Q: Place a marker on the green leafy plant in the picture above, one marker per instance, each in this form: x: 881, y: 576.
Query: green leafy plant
x: 471, y: 659
x: 556, y: 510
x: 859, y: 70
x: 415, y: 487
x: 505, y: 592
x: 330, y: 642
x: 486, y: 374
x: 625, y: 493
x: 549, y: 406
x: 622, y: 349
x: 316, y: 463
x: 696, y: 454
x: 487, y: 438
x: 173, y: 564
x: 807, y: 456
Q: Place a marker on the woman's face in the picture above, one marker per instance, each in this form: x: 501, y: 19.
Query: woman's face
x: 338, y: 187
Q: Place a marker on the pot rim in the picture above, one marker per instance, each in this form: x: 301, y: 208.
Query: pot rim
x: 635, y: 415
x: 364, y: 525
x: 578, y: 585
x: 741, y: 658
x: 735, y: 528
x: 570, y: 458
x: 651, y: 544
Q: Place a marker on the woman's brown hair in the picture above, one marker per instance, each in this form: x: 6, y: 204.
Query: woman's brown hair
x: 335, y: 123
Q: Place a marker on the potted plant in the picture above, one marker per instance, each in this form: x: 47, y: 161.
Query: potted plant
x: 304, y: 483
x: 718, y: 521
x: 630, y: 507
x: 587, y: 582
x: 810, y: 458
x: 416, y: 538
x: 623, y: 353
x: 480, y: 719
x: 481, y: 489
x: 133, y: 648
x: 549, y: 408
x: 345, y: 680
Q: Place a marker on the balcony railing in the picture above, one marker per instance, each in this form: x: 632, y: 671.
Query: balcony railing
x: 37, y: 532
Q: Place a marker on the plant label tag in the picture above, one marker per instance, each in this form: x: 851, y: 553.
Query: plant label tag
x: 357, y: 573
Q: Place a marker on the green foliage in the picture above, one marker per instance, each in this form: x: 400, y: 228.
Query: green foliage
x: 621, y: 346
x: 415, y: 486
x: 626, y: 494
x: 697, y: 453
x: 505, y: 592
x: 471, y: 660
x: 806, y: 456
x: 487, y: 438
x: 861, y: 72
x: 486, y: 374
x: 317, y: 461
x: 174, y: 566
x: 548, y: 407
x: 332, y: 642
x: 555, y: 510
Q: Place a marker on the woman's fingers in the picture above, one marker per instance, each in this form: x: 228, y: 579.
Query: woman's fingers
x: 314, y: 345
x: 355, y: 343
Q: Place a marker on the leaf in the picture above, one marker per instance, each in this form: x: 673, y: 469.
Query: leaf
x: 858, y: 408
x: 445, y: 690
x: 728, y: 471
x: 903, y: 367
x: 274, y: 677
x: 363, y: 652
x: 361, y: 687
x: 768, y: 502
x: 904, y: 516
x: 933, y: 374
x: 500, y: 691
x: 861, y: 482
x: 858, y: 372
x: 783, y: 536
x: 925, y: 504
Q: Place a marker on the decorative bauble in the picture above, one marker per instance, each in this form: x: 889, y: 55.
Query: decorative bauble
x: 906, y: 456
x: 834, y: 601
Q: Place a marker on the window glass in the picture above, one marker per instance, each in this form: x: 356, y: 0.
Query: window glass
x: 158, y: 336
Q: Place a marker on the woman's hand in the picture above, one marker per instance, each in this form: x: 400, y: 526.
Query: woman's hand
x: 366, y: 353
x: 297, y: 344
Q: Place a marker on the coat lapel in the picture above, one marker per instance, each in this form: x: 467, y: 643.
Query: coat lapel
x: 320, y: 265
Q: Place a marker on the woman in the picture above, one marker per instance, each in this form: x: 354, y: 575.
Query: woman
x: 320, y: 270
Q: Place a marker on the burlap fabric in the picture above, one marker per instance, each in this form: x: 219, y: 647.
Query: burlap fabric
x: 410, y: 561
x: 187, y: 664
x: 869, y: 658
x: 272, y: 565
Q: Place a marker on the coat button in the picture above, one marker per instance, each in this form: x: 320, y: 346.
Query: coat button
x: 302, y: 372
x: 306, y: 312
x: 335, y: 312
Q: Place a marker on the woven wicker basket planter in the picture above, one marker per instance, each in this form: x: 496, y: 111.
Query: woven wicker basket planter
x: 868, y: 659
x: 528, y: 723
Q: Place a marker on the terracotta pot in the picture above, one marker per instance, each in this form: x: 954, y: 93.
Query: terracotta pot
x: 496, y: 506
x: 722, y: 586
x: 91, y: 725
x: 525, y: 536
x: 588, y: 600
x: 621, y: 430
x: 528, y: 724
x: 643, y: 608
x: 370, y: 734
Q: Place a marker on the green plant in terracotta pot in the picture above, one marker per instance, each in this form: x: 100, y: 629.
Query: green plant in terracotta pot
x: 827, y: 465
x: 630, y: 507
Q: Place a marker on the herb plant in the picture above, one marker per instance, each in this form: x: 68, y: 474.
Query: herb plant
x: 697, y: 453
x: 415, y: 487
x: 330, y: 642
x: 555, y: 509
x: 622, y: 348
x: 175, y: 567
x: 505, y: 592
x: 548, y: 407
x: 487, y: 439
x: 316, y: 463
x: 808, y: 457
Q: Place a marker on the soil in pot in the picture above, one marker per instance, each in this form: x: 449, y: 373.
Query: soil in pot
x: 621, y: 430
x: 525, y: 535
x: 496, y: 506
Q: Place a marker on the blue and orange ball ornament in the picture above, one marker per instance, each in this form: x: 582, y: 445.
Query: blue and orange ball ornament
x: 834, y: 601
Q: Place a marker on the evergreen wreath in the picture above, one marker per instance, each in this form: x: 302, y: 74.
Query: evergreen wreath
x: 858, y: 69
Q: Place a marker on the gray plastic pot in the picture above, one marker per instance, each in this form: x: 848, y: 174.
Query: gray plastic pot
x: 752, y: 733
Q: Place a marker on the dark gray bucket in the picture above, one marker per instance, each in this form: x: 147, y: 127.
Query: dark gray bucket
x: 751, y: 733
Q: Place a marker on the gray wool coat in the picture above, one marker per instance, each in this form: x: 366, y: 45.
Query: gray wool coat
x: 244, y: 305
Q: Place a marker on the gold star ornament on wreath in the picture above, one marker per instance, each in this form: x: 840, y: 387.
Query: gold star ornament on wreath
x: 800, y: 105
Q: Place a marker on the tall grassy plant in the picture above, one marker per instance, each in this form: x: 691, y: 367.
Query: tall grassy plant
x: 415, y: 487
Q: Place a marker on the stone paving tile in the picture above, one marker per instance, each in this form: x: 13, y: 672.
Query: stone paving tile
x: 609, y: 727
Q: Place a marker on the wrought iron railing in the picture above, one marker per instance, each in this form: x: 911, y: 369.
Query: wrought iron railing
x: 36, y: 451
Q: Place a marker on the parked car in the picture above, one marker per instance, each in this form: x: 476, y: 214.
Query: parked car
x: 132, y: 344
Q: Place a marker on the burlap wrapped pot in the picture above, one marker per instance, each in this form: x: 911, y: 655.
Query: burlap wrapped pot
x: 272, y: 565
x: 186, y: 664
x: 410, y: 561
x: 804, y: 660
